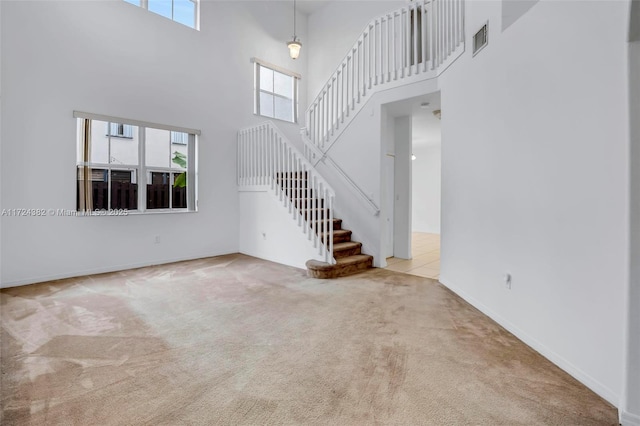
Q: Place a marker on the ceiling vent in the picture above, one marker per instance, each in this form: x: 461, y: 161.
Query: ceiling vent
x: 481, y: 39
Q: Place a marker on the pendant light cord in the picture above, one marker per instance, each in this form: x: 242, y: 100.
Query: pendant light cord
x: 294, y: 19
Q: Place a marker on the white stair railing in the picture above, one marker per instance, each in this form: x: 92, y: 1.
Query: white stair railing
x: 267, y: 159
x: 410, y: 43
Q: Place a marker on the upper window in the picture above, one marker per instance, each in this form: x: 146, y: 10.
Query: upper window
x: 120, y: 130
x: 276, y: 92
x: 182, y: 11
x: 135, y: 166
x: 180, y: 138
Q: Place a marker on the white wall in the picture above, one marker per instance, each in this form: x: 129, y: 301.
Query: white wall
x: 512, y: 10
x: 268, y: 231
x: 632, y: 403
x: 535, y: 181
x: 425, y: 187
x: 333, y: 30
x: 116, y: 59
x: 402, y: 187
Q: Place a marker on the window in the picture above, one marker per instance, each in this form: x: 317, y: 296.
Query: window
x: 120, y: 130
x: 276, y: 92
x: 180, y: 138
x: 134, y: 166
x: 184, y: 12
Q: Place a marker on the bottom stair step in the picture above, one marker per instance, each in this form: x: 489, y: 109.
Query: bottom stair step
x: 344, y: 266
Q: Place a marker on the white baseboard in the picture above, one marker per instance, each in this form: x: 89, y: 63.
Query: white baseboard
x: 107, y: 269
x: 628, y: 419
x: 539, y: 347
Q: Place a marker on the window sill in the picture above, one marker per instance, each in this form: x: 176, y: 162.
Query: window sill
x: 132, y: 212
x: 119, y: 136
x: 274, y: 118
x: 161, y: 211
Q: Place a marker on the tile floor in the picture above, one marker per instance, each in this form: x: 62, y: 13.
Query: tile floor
x: 425, y: 249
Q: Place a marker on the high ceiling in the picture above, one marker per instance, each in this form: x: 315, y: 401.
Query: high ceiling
x: 310, y: 6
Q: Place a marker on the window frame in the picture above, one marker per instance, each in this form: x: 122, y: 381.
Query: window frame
x: 144, y: 4
x: 141, y: 170
x: 178, y: 140
x: 257, y: 90
x: 127, y: 130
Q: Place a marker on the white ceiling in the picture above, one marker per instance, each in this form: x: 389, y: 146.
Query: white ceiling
x: 310, y: 6
x: 305, y: 6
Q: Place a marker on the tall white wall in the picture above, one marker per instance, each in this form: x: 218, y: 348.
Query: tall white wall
x: 632, y: 403
x: 117, y: 59
x: 535, y: 181
x: 425, y: 186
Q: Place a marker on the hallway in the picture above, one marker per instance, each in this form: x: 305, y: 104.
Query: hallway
x: 425, y: 249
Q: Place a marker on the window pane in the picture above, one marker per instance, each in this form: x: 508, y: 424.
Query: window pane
x: 179, y: 137
x: 161, y: 7
x: 179, y: 157
x: 284, y: 109
x: 266, y: 104
x: 125, y: 150
x: 124, y: 190
x: 179, y: 200
x: 158, y: 191
x: 266, y: 79
x: 283, y: 84
x: 99, y: 150
x: 157, y: 148
x: 97, y: 196
x: 136, y: 2
x: 184, y: 11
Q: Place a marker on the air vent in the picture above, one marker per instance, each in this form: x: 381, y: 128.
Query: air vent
x: 480, y: 39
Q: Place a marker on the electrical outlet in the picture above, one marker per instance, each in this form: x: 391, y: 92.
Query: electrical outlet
x: 264, y: 235
x: 156, y: 240
x: 507, y: 281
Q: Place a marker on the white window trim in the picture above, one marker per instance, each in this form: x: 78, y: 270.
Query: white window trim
x: 144, y: 4
x: 138, y: 123
x: 256, y: 84
x: 142, y: 169
x: 276, y: 68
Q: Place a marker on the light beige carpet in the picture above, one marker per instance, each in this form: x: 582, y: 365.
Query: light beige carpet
x: 235, y: 340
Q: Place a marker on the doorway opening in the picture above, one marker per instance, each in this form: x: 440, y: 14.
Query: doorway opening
x: 413, y: 186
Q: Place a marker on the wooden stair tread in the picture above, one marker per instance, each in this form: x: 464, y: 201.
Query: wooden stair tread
x: 346, y: 245
x: 338, y: 233
x: 349, y: 260
x: 356, y: 258
x: 322, y: 224
x: 343, y: 267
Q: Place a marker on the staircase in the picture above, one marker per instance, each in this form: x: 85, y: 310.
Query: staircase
x: 348, y: 255
x: 414, y: 43
x: 267, y: 160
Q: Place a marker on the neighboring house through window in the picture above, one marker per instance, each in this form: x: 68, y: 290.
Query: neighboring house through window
x: 120, y: 130
x: 276, y: 92
x: 135, y: 165
x: 179, y: 138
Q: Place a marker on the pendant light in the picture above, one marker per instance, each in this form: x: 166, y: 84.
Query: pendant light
x: 294, y: 45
